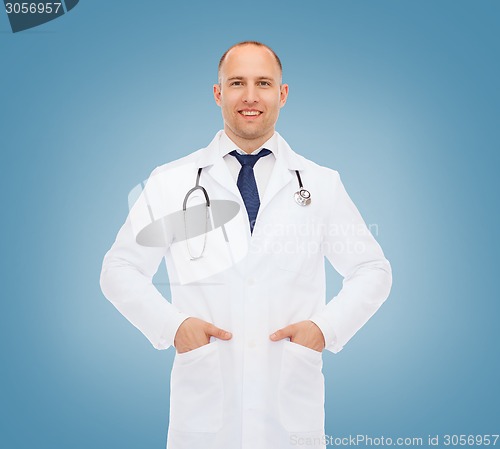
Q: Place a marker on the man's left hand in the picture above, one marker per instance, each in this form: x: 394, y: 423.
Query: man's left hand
x: 305, y: 333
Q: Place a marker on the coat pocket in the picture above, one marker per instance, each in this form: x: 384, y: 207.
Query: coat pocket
x: 301, y: 389
x: 196, y: 392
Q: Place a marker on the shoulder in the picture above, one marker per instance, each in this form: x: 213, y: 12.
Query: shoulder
x: 198, y: 158
x: 297, y: 161
x: 321, y: 170
x: 185, y: 161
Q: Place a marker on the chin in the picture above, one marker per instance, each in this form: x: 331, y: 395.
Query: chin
x: 252, y: 133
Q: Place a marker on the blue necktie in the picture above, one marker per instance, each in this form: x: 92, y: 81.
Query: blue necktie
x: 246, y: 182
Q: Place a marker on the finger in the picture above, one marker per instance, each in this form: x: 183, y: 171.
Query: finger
x: 216, y: 332
x: 280, y: 334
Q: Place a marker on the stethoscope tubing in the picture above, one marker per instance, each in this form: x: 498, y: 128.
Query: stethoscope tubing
x: 302, y: 198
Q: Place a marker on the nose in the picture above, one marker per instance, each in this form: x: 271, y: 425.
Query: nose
x: 250, y: 95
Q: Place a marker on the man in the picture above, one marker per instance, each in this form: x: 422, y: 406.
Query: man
x: 245, y: 254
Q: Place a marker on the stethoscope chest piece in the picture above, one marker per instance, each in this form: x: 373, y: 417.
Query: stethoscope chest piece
x: 303, y: 197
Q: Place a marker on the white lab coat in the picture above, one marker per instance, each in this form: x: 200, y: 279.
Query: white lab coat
x: 249, y: 392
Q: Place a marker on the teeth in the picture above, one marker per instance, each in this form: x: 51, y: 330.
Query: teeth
x: 250, y: 112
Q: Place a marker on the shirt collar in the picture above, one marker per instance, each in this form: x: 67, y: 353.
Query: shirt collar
x: 289, y: 159
x: 226, y: 145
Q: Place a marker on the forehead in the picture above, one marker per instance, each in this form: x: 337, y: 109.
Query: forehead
x: 250, y: 61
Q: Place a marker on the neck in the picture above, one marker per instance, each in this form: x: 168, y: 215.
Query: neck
x: 248, y: 145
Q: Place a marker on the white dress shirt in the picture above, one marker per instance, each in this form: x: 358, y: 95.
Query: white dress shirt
x: 262, y: 168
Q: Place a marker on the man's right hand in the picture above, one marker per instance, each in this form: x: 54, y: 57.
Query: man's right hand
x: 193, y: 333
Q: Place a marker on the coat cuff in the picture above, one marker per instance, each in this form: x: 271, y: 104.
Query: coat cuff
x: 328, y: 333
x: 171, y: 328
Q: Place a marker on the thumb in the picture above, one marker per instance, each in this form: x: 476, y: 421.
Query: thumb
x: 280, y: 334
x: 214, y: 331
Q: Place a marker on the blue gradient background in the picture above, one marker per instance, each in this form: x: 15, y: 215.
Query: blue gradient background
x: 402, y: 97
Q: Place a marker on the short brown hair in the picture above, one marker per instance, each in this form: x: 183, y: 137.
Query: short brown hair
x: 257, y: 44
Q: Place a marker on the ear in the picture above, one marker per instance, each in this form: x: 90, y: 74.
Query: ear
x: 217, y: 93
x: 283, y: 94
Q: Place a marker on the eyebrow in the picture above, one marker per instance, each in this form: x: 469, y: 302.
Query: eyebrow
x: 259, y: 78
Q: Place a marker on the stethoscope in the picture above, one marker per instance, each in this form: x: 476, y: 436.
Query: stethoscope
x: 302, y: 198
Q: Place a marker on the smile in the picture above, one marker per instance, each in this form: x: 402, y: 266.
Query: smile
x: 250, y: 113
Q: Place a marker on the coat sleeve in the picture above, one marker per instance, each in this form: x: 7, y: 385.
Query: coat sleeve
x: 358, y: 258
x: 127, y: 282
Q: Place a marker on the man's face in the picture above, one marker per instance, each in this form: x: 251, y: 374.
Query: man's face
x: 250, y: 95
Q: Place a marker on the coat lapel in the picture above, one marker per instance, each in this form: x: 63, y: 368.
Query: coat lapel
x: 213, y: 164
x: 237, y: 234
x: 287, y: 161
x: 280, y: 177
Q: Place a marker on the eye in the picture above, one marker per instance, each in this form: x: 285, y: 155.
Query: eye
x: 236, y: 83
x: 264, y: 83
